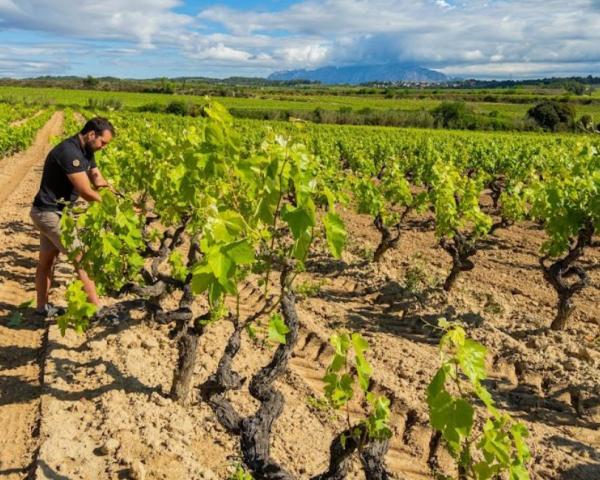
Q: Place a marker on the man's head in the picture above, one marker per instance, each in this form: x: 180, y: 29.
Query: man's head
x: 97, y: 133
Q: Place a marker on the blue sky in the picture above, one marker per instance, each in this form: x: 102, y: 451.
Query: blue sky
x: 153, y: 38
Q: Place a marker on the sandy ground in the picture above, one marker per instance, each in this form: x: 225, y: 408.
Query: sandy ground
x: 101, y: 411
x: 21, y: 348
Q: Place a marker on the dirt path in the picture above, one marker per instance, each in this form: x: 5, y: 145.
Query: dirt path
x: 20, y: 346
x: 13, y: 170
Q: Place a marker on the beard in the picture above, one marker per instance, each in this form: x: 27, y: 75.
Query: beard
x: 89, y: 149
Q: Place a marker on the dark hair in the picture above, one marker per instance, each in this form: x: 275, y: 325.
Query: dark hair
x: 98, y: 125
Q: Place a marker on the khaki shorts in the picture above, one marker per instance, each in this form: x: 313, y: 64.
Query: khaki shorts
x: 48, y: 223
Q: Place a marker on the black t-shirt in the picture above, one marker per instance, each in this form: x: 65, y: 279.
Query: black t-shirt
x: 56, y: 188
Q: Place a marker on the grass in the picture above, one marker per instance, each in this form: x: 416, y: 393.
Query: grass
x: 272, y: 101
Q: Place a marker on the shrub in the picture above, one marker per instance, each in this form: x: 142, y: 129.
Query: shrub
x: 452, y: 115
x: 586, y: 123
x: 154, y: 107
x: 552, y: 115
x: 177, y: 107
x: 575, y: 87
x: 104, y: 104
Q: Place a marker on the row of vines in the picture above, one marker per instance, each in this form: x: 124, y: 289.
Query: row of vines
x: 202, y: 207
x: 18, y: 126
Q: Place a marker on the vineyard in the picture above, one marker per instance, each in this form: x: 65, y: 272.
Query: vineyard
x: 284, y: 300
x: 18, y: 127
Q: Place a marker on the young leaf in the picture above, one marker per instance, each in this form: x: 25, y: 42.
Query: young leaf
x: 335, y: 232
x: 278, y: 329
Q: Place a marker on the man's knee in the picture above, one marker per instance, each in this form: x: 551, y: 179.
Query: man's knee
x: 47, y: 259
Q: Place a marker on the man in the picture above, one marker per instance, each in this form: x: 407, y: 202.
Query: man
x: 69, y: 172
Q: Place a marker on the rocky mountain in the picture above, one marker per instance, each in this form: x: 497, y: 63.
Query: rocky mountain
x: 363, y: 74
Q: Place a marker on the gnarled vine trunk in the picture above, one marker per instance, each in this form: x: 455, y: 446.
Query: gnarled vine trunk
x: 345, y: 444
x: 214, y: 390
x: 183, y: 376
x: 460, y: 249
x: 256, y: 429
x: 388, y: 240
x: 186, y: 335
x: 496, y: 186
x: 559, y: 274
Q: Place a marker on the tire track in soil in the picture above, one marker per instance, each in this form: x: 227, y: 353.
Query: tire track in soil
x: 408, y: 451
x: 409, y: 447
x: 21, y: 348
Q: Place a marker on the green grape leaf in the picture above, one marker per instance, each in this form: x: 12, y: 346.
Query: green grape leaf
x: 277, y: 329
x: 485, y: 471
x: 302, y: 245
x: 518, y: 472
x: 495, y: 444
x: 79, y: 309
x: 240, y: 252
x: 202, y: 278
x: 452, y: 416
x: 178, y: 268
x: 299, y: 219
x: 519, y: 432
x: 363, y: 368
x: 471, y: 358
x: 335, y: 232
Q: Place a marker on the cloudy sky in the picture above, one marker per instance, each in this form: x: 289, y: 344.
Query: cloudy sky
x: 152, y: 38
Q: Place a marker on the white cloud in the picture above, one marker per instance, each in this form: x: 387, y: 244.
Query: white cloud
x: 8, y: 6
x: 140, y: 21
x: 444, y: 4
x: 308, y: 55
x: 15, y: 66
x: 462, y: 38
x: 521, y: 70
x: 220, y: 52
x: 435, y: 33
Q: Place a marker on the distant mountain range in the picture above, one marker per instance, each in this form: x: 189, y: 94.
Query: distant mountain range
x: 363, y: 74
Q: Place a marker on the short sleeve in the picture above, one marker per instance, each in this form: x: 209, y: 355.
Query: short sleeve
x: 72, y: 161
x: 92, y: 161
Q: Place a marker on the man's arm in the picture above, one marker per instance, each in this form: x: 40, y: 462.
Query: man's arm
x: 82, y: 184
x: 96, y: 178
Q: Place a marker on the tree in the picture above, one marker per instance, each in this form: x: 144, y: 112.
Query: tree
x: 451, y: 115
x: 177, y: 107
x: 90, y: 82
x: 575, y: 87
x: 552, y: 115
x: 166, y: 85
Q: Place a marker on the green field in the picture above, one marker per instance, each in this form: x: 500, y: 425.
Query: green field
x: 271, y: 101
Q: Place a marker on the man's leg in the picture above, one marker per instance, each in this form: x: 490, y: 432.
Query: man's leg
x: 48, y: 224
x: 43, y: 275
x: 89, y: 286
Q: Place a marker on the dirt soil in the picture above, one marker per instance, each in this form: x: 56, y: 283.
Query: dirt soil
x: 21, y: 345
x: 102, y: 412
